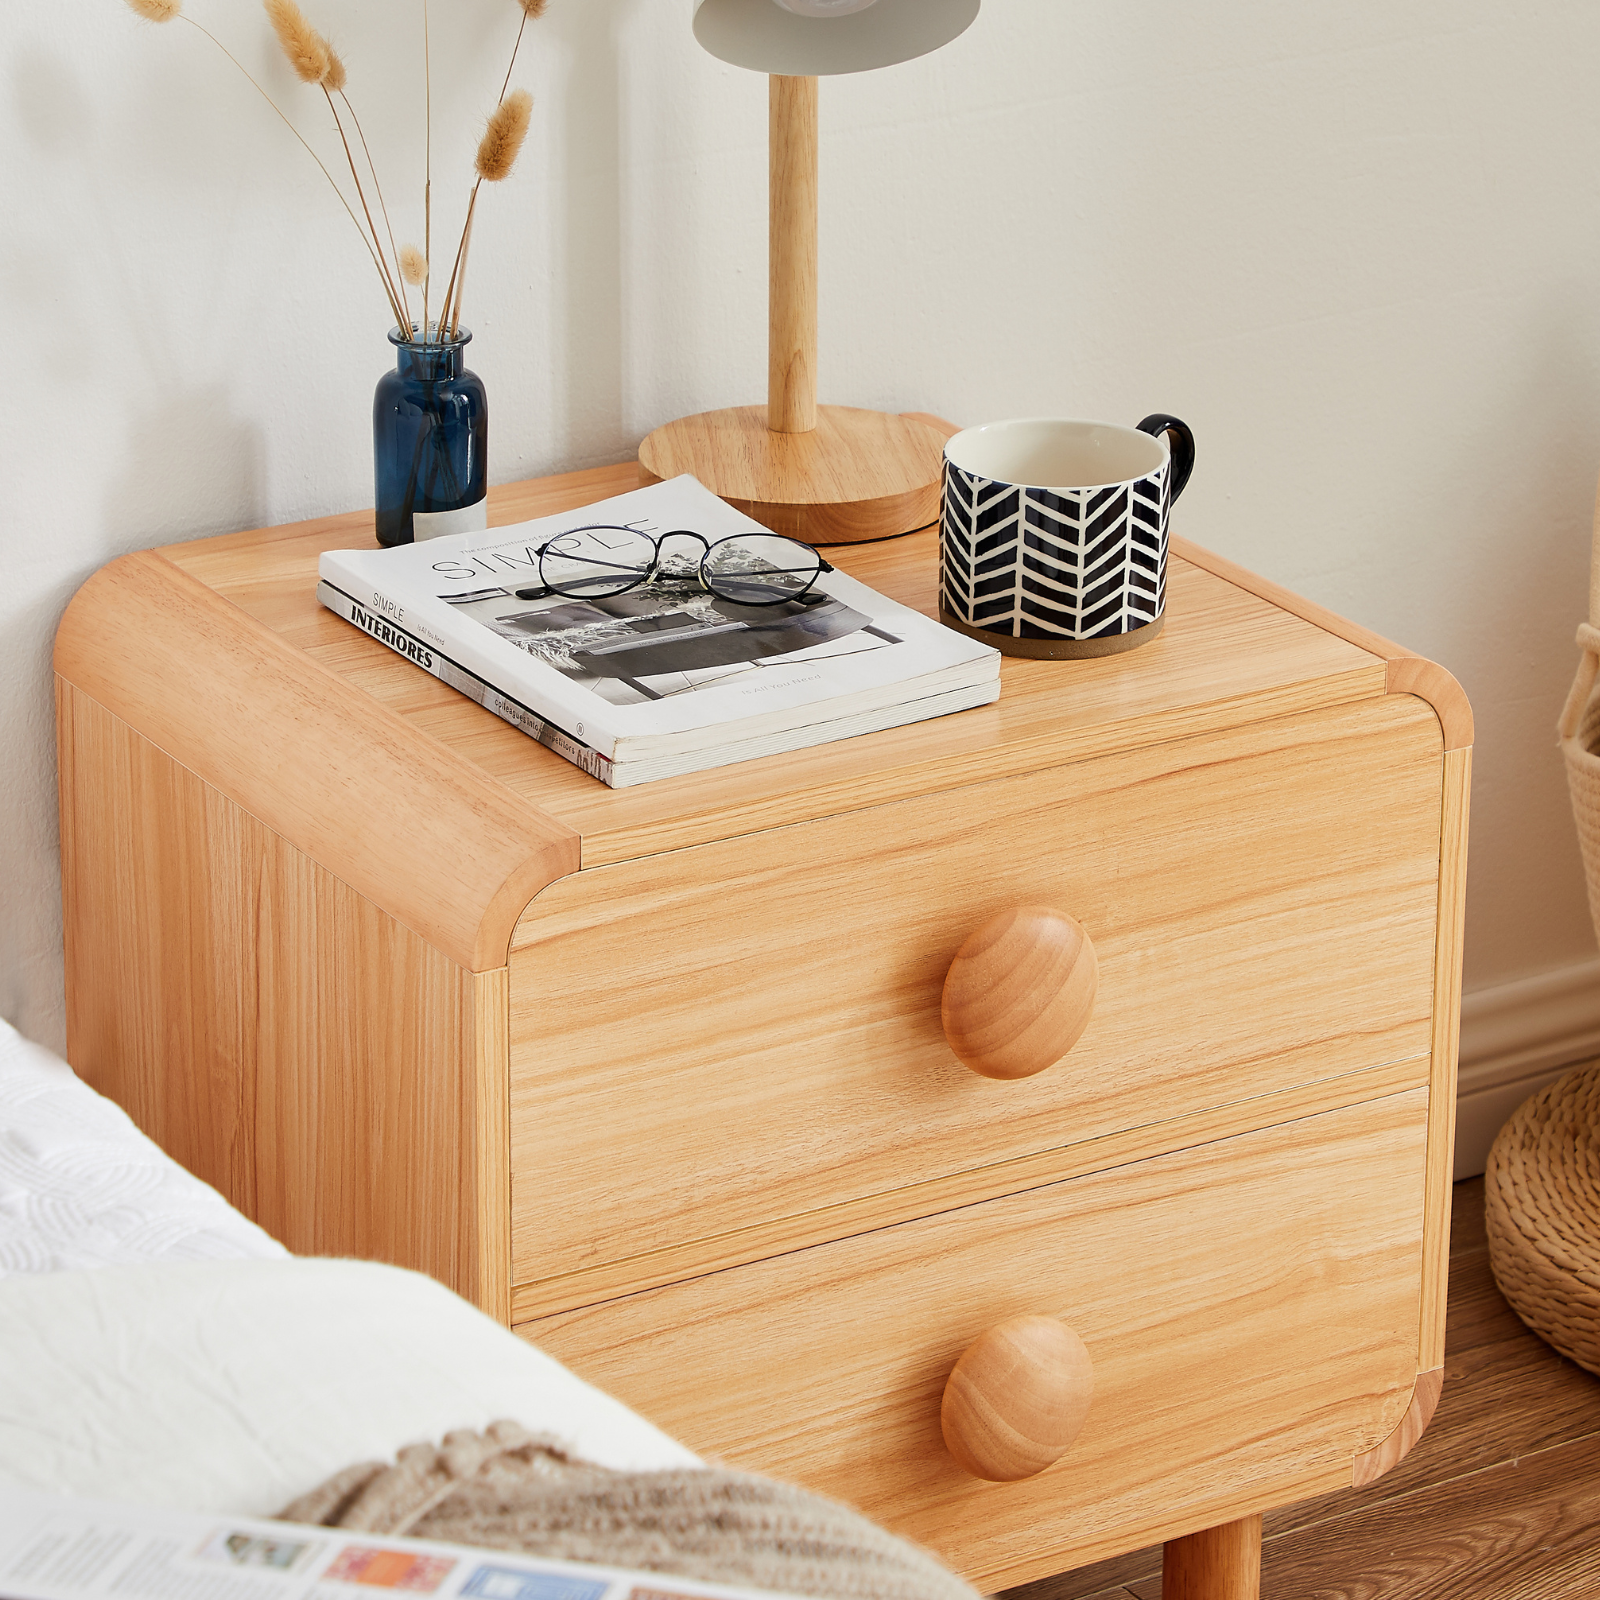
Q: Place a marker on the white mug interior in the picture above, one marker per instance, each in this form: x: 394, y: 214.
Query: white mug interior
x: 1056, y: 453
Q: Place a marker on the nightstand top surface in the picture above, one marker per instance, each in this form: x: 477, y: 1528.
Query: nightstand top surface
x: 1227, y: 655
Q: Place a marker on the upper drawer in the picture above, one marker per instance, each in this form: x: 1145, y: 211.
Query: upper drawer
x: 728, y: 1036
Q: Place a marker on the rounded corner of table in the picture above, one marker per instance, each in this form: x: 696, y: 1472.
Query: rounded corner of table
x: 1402, y: 1439
x: 1405, y: 673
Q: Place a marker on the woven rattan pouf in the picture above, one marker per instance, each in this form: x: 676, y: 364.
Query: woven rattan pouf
x: 1542, y: 1204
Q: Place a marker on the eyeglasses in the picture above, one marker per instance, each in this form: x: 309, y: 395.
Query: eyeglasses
x: 749, y: 569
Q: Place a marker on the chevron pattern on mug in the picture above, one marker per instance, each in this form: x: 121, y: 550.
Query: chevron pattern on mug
x: 1054, y: 564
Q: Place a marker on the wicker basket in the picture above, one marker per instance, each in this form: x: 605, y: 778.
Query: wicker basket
x: 1580, y: 739
x: 1579, y: 730
x: 1542, y: 1206
x: 1542, y: 1184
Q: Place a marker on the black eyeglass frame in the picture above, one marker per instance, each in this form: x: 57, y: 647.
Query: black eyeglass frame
x: 802, y: 594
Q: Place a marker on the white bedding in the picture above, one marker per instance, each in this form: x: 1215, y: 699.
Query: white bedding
x: 239, y: 1385
x: 202, y: 1366
x: 80, y: 1186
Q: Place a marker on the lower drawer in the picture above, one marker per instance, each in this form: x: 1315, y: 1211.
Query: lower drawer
x: 1250, y: 1306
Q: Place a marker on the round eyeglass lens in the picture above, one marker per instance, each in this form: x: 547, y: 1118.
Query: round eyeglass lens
x: 589, y: 563
x: 761, y: 569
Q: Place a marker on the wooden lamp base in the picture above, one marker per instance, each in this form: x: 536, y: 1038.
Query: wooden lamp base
x: 857, y: 475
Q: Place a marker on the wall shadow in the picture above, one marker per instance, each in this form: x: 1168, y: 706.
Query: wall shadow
x: 591, y: 382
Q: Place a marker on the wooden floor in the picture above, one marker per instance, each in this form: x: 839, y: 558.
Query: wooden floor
x: 1499, y: 1501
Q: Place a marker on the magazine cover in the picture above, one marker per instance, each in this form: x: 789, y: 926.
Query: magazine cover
x: 53, y: 1547
x: 659, y: 622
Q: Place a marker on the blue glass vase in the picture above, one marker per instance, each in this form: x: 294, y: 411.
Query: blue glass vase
x: 430, y: 441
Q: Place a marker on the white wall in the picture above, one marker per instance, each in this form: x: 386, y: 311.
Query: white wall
x: 1356, y: 247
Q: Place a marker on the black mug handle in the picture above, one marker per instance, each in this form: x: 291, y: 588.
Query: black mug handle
x: 1179, y: 441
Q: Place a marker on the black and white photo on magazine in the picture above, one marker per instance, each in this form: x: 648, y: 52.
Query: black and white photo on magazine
x: 670, y: 635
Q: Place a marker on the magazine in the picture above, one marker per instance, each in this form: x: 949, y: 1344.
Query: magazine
x: 634, y: 678
x: 53, y: 1547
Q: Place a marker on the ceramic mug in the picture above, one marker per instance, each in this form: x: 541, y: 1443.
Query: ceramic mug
x: 1053, y: 534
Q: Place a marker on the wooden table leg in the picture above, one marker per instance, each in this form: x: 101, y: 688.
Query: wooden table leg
x: 1222, y: 1563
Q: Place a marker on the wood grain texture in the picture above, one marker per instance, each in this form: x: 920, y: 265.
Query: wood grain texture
x: 1099, y: 1580
x: 1384, y: 1457
x: 1019, y: 992
x: 608, y: 1280
x: 854, y: 475
x: 1445, y: 1050
x: 1231, y: 660
x: 1520, y: 1530
x: 1287, y: 1260
x: 1259, y: 925
x: 1509, y: 1400
x: 792, y: 254
x: 1498, y: 1499
x: 275, y: 1032
x: 1016, y: 1399
x: 1226, y: 657
x: 1221, y: 1563
x: 775, y: 938
x: 490, y: 1129
x: 1405, y: 671
x: 940, y: 425
x: 1052, y: 649
x: 307, y: 754
x: 1506, y: 1396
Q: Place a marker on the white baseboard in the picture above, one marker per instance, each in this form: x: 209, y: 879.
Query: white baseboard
x: 1516, y: 1038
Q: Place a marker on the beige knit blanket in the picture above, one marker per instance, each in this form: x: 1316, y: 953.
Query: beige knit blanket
x: 511, y: 1490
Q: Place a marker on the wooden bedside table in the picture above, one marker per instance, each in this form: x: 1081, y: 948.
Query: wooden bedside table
x: 657, y: 1075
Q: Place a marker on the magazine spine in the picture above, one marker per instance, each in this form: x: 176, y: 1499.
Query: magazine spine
x: 431, y: 660
x: 471, y: 647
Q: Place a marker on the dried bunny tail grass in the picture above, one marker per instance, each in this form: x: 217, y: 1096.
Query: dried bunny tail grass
x: 302, y: 44
x: 534, y: 8
x: 333, y: 80
x: 157, y: 10
x: 502, y: 139
x: 413, y: 266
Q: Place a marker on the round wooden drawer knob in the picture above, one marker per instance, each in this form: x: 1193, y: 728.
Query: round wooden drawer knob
x: 1019, y: 992
x: 1016, y: 1399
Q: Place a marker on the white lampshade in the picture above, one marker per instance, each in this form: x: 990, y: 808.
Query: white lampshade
x: 816, y: 38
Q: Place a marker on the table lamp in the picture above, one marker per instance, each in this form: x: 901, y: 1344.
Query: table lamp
x: 824, y: 474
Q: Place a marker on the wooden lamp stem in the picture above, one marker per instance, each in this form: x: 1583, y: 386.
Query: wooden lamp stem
x: 822, y: 474
x: 792, y: 256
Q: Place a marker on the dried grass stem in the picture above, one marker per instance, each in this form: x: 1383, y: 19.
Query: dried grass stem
x: 527, y: 11
x: 455, y: 270
x: 377, y: 189
x: 461, y: 281
x: 396, y: 296
x: 497, y: 153
x: 322, y: 167
x: 315, y: 61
